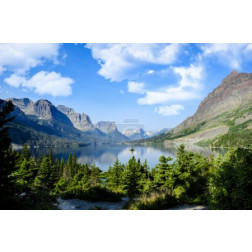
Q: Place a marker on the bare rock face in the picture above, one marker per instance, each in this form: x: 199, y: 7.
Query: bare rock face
x: 24, y: 104
x: 234, y: 91
x: 110, y: 129
x: 106, y: 127
x: 80, y: 121
x: 42, y: 110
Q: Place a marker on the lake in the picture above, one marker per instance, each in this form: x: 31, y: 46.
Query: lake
x: 105, y: 155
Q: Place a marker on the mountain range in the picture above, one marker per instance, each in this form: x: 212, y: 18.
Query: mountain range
x: 223, y: 118
x: 40, y: 123
x: 139, y: 133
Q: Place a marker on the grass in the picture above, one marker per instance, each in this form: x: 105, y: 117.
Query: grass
x: 157, y: 200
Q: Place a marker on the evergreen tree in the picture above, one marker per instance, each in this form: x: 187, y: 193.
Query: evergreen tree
x: 231, y: 184
x: 95, y: 176
x: 24, y: 154
x: 132, y: 177
x: 163, y: 173
x: 26, y: 174
x: 46, y: 176
x: 74, y: 164
x: 62, y: 165
x: 7, y: 159
x: 51, y: 157
x: 115, y: 175
x: 70, y: 165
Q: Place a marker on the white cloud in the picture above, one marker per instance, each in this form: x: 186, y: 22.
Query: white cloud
x: 169, y: 110
x: 231, y: 55
x: 186, y: 89
x: 136, y: 87
x: 189, y: 75
x: 15, y: 80
x: 121, y: 91
x: 150, y: 72
x: 118, y: 61
x: 20, y: 58
x: 51, y: 83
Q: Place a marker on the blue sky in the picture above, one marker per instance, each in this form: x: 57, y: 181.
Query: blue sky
x: 158, y: 84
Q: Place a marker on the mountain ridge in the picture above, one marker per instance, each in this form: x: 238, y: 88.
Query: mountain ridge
x: 219, y: 114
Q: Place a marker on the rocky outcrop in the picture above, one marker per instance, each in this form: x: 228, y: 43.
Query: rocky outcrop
x: 234, y: 91
x: 80, y: 121
x: 42, y: 110
x: 110, y: 129
x: 24, y: 104
x: 34, y: 118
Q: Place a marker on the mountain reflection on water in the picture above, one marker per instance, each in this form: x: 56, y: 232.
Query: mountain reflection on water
x: 105, y: 155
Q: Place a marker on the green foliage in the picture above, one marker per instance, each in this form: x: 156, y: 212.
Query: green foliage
x: 46, y: 176
x: 115, y: 176
x: 223, y: 183
x: 26, y: 173
x: 7, y: 157
x: 231, y: 182
x: 132, y: 177
x: 162, y: 173
x: 235, y: 138
x: 155, y: 200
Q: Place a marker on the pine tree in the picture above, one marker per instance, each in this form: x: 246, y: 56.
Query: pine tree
x: 51, y: 157
x: 70, y: 165
x: 74, y: 164
x: 95, y: 176
x: 46, y: 176
x: 114, y: 175
x: 163, y: 172
x: 7, y: 159
x: 24, y: 154
x: 132, y: 177
x: 26, y: 174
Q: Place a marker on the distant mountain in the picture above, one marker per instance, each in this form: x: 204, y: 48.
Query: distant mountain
x: 152, y: 133
x: 80, y: 121
x: 40, y: 123
x: 110, y: 129
x: 223, y: 118
x: 137, y: 134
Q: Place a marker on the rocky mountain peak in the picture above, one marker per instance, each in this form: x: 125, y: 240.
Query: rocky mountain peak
x: 234, y: 91
x: 231, y: 76
x: 80, y: 121
x: 24, y: 104
x: 106, y: 126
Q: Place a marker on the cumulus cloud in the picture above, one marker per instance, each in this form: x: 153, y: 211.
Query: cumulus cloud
x: 186, y: 89
x: 118, y: 61
x: 169, y: 110
x: 20, y: 58
x: 15, y: 80
x: 136, y: 87
x: 51, y: 83
x: 231, y: 55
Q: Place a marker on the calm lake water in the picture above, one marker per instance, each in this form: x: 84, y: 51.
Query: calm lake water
x: 105, y: 155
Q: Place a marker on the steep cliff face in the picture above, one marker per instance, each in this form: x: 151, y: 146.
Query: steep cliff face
x: 110, y: 129
x: 38, y: 122
x: 42, y: 110
x: 24, y: 104
x: 235, y: 91
x: 106, y: 127
x: 80, y: 121
x: 226, y: 111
